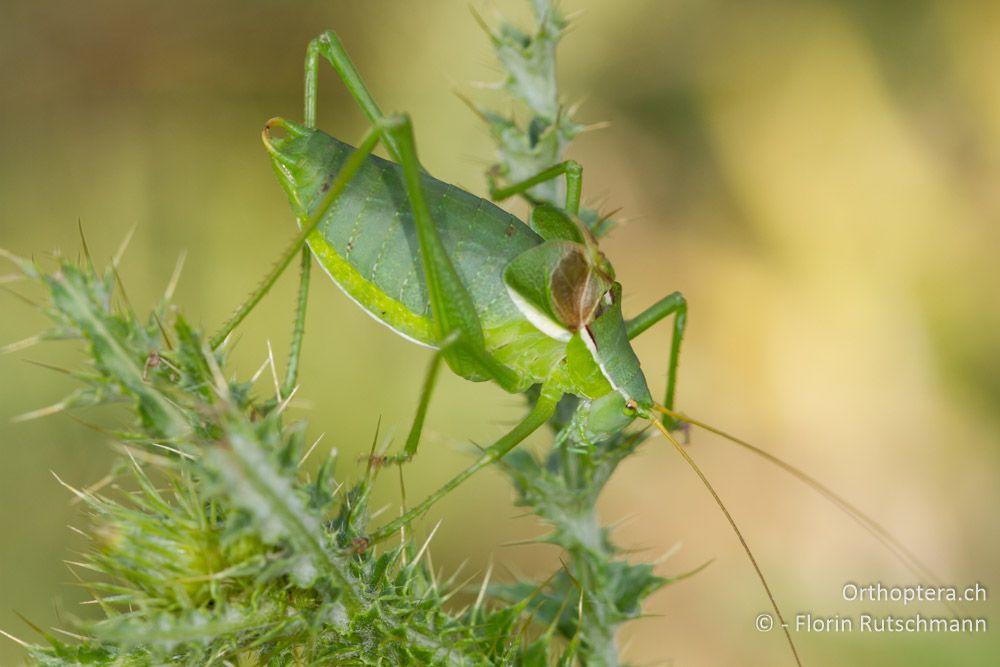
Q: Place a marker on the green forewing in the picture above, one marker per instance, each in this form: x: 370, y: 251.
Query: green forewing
x: 367, y: 242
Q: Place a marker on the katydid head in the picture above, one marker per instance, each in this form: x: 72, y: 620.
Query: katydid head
x: 611, y: 414
x: 602, y: 369
x: 566, y: 288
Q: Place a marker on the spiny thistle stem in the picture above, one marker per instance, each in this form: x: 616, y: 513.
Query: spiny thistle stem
x: 563, y: 491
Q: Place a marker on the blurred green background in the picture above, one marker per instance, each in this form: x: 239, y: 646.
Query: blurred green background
x: 821, y: 179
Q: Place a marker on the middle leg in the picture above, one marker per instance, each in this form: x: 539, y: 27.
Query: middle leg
x: 574, y: 184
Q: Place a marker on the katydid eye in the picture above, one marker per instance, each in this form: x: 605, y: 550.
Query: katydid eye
x: 631, y: 407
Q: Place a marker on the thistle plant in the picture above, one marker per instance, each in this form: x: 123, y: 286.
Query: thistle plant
x: 221, y: 551
x: 603, y: 590
x: 214, y: 547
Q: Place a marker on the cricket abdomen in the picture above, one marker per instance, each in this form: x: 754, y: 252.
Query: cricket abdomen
x: 367, y: 240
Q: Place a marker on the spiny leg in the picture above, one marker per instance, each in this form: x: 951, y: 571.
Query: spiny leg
x: 675, y: 305
x: 299, y: 327
x: 574, y: 184
x: 539, y: 415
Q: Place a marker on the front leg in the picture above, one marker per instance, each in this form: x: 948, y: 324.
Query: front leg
x: 676, y: 305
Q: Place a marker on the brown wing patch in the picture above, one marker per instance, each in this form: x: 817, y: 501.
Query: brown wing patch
x: 576, y: 290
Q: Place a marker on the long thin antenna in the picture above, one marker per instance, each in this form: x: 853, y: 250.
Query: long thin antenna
x: 729, y: 517
x: 875, y: 529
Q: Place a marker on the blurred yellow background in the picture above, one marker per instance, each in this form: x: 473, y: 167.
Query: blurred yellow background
x: 821, y: 180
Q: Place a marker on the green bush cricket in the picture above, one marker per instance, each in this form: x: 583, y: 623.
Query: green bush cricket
x: 520, y: 304
x: 527, y: 305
